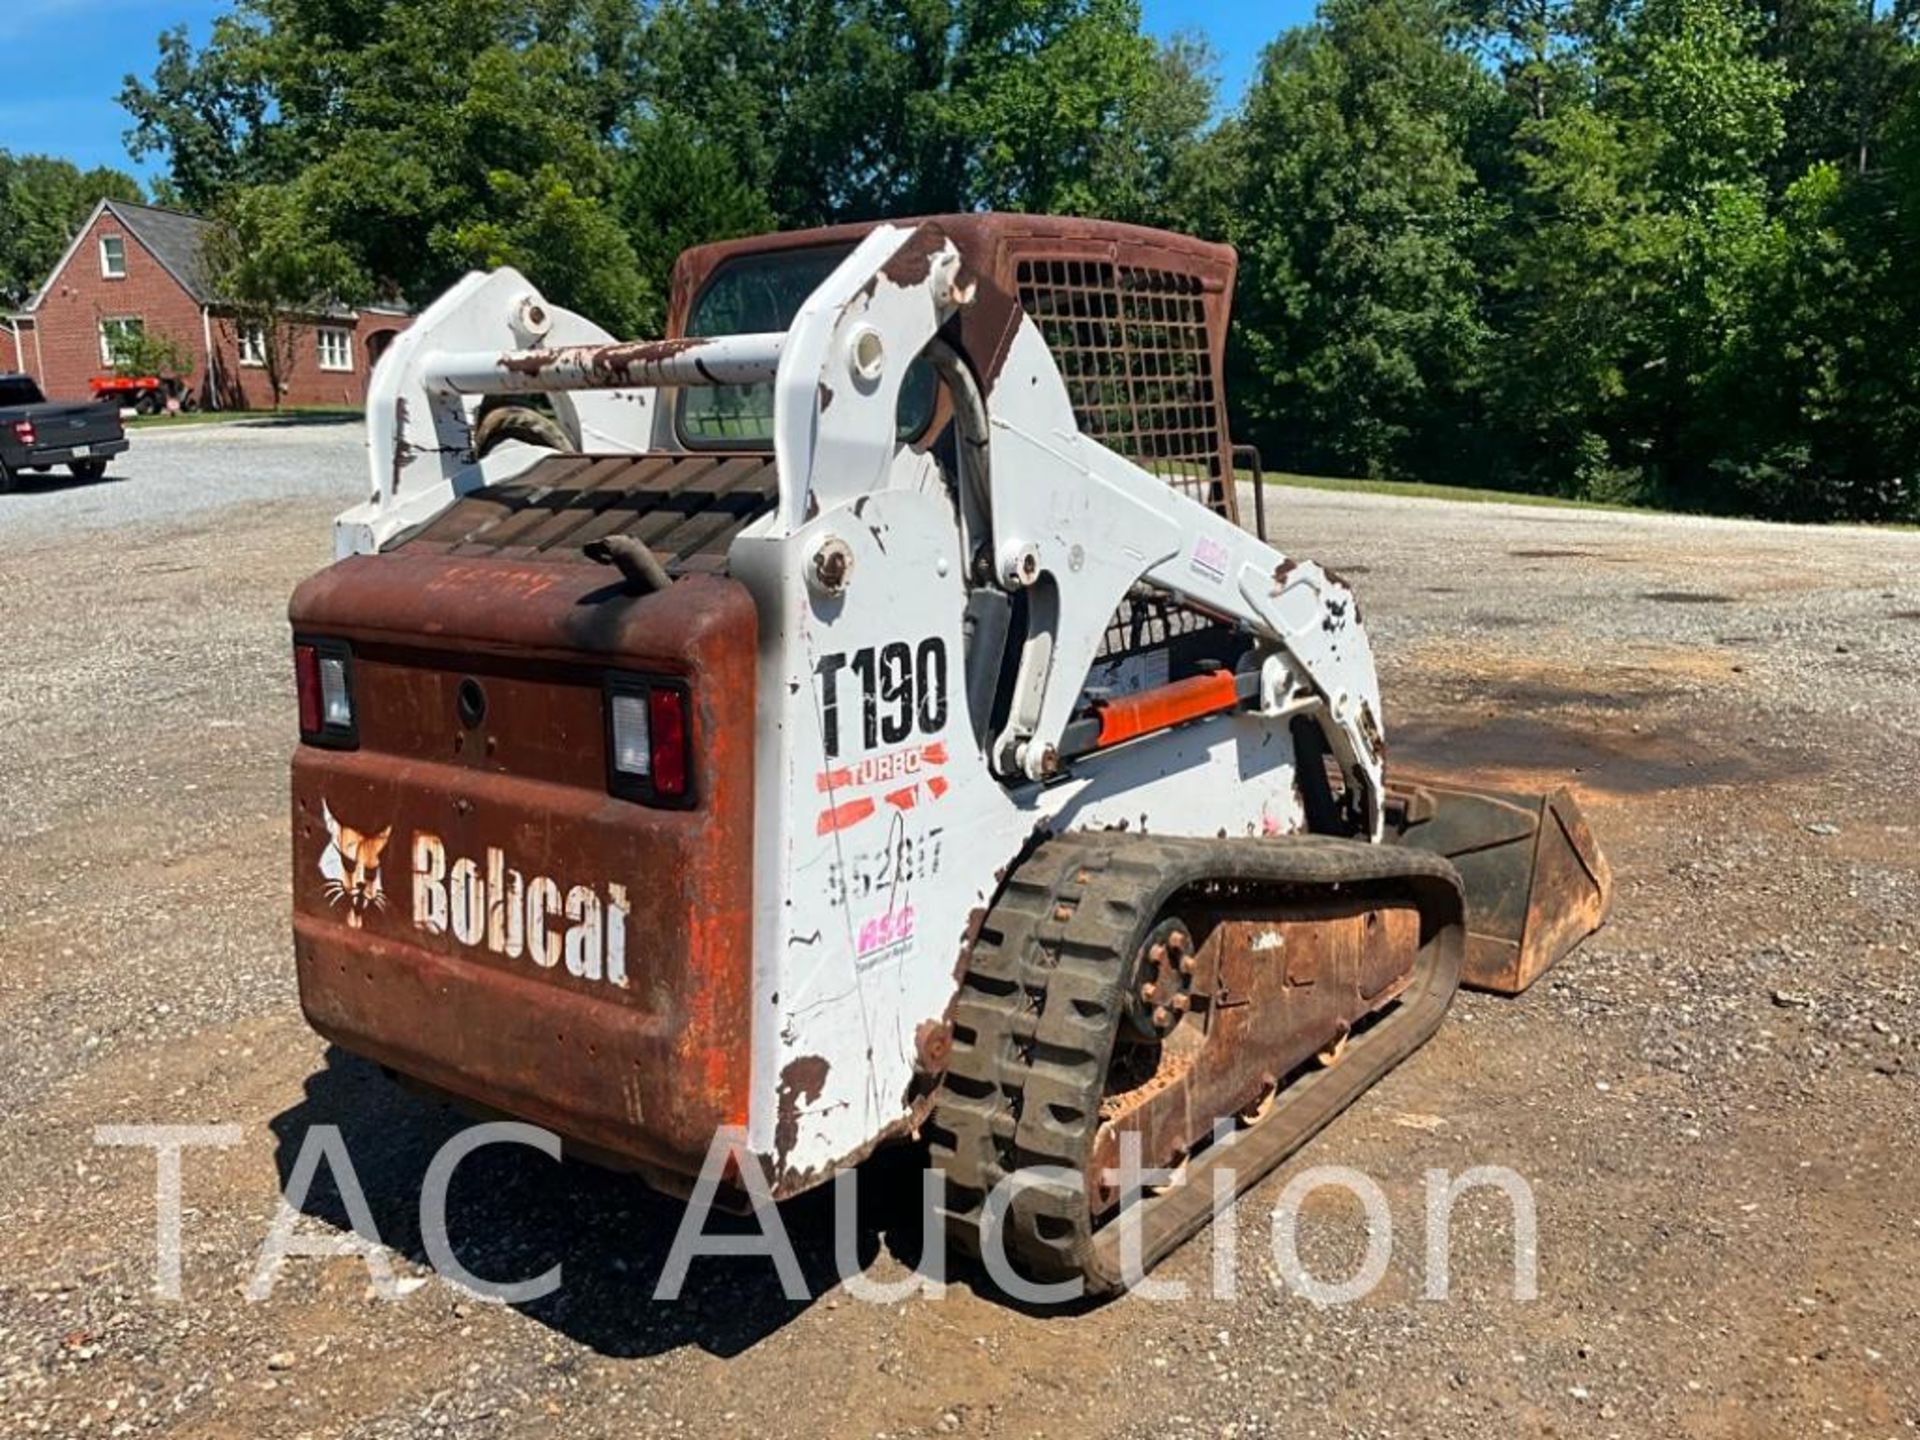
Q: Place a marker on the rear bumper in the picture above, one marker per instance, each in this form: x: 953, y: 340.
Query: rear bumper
x: 533, y: 946
x: 505, y: 1043
x: 622, y: 1024
x: 67, y: 454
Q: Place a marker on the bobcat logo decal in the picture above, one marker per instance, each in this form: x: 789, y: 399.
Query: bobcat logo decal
x: 351, y: 865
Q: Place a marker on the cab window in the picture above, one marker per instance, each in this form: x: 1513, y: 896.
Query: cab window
x: 751, y: 294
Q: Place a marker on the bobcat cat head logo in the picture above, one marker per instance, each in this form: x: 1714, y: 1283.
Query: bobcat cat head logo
x: 351, y: 865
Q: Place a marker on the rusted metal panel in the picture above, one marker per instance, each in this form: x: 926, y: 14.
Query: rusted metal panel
x: 532, y: 944
x: 1536, y: 882
x: 1275, y: 990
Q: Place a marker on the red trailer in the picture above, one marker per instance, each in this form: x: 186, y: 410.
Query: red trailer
x: 147, y: 394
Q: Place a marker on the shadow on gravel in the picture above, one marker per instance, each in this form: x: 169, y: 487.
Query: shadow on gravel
x: 26, y: 482
x: 1514, y: 731
x: 512, y: 1213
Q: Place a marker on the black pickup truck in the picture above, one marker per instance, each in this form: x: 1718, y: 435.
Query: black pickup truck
x: 38, y: 435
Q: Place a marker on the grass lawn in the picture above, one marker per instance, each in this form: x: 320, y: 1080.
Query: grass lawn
x: 1413, y: 490
x: 292, y: 415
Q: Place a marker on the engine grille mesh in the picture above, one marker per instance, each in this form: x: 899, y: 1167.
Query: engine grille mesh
x: 687, y: 509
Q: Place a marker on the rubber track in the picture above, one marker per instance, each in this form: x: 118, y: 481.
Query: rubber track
x: 1040, y: 1007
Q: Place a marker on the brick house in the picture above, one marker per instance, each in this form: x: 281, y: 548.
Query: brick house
x: 138, y: 267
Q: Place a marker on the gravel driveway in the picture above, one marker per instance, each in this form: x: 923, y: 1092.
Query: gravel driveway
x: 176, y: 473
x: 1715, y: 1102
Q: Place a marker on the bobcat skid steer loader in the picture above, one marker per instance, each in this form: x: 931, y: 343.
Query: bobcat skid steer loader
x: 863, y: 715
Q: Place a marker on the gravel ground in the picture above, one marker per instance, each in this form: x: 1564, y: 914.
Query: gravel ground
x: 175, y: 473
x: 1714, y: 1101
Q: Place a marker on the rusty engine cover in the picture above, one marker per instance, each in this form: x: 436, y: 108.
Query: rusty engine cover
x: 472, y: 907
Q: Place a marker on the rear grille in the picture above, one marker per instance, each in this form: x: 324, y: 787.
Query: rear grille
x: 687, y: 509
x: 1134, y: 349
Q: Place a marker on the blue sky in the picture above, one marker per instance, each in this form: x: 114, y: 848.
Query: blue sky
x: 65, y: 60
x: 1239, y: 30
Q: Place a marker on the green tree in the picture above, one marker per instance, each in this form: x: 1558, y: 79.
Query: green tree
x: 674, y: 188
x: 272, y: 272
x: 43, y: 201
x: 1535, y: 46
x: 1362, y: 336
x: 207, y: 111
x: 1588, y: 253
x: 1702, y: 109
x: 1851, y: 62
x: 1711, y: 104
x: 587, y: 141
x: 416, y: 154
x: 152, y: 352
x: 1819, y: 393
x: 844, y: 109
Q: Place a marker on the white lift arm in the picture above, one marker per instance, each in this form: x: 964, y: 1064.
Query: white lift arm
x: 1073, y: 523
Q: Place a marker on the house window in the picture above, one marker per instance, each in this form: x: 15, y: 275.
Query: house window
x: 251, y: 340
x: 336, y: 350
x: 119, y: 336
x: 113, y: 257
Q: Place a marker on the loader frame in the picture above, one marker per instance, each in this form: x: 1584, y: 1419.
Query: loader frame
x: 889, y: 802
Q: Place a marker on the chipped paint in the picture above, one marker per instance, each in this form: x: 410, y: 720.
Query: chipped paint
x: 801, y: 1082
x: 404, y: 452
x: 623, y: 364
x: 912, y: 263
x: 933, y: 1045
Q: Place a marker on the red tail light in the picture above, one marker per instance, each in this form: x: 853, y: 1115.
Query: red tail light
x: 323, y: 676
x: 667, y: 720
x: 306, y: 674
x: 24, y: 432
x: 649, y: 741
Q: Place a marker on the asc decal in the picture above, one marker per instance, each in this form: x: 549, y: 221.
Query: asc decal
x: 511, y: 914
x: 1210, y: 558
x: 884, y: 935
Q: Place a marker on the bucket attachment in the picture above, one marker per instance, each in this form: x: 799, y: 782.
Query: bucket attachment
x: 1536, y: 882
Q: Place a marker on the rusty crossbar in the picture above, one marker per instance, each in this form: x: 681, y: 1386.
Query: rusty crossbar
x: 619, y: 365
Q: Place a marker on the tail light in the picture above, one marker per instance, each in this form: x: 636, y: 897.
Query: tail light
x: 649, y: 741
x: 323, y: 675
x: 24, y: 432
